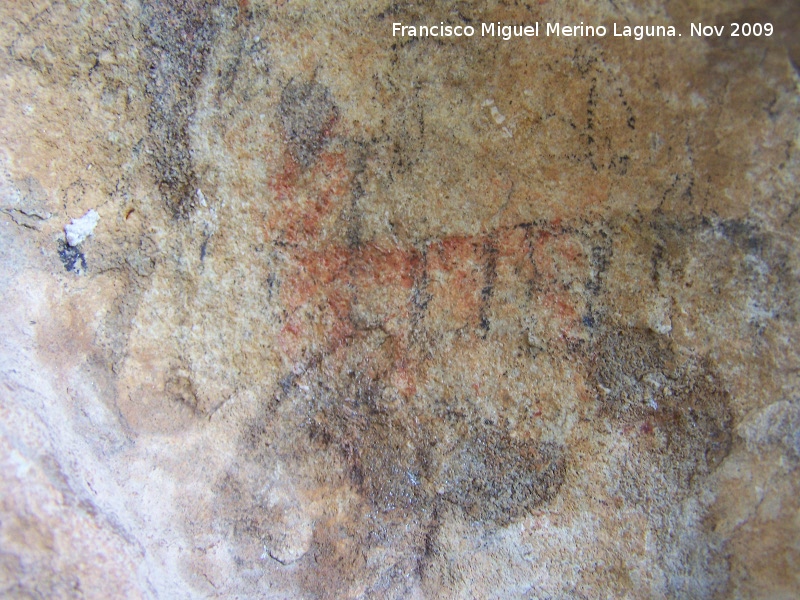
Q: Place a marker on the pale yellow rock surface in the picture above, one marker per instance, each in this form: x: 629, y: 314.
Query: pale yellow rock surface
x: 364, y: 316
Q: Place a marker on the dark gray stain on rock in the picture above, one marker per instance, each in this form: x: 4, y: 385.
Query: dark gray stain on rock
x: 674, y: 405
x: 407, y: 464
x: 498, y: 479
x: 406, y: 460
x: 391, y: 453
x: 412, y: 462
x: 179, y: 34
x: 307, y: 113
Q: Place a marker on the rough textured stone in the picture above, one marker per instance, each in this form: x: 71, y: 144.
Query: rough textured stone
x: 375, y: 317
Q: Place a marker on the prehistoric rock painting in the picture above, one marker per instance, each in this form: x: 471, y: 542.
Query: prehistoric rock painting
x: 367, y: 330
x: 372, y: 316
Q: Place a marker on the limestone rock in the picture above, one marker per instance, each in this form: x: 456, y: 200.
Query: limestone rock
x: 378, y: 316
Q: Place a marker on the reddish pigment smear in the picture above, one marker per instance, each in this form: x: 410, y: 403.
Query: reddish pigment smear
x: 332, y: 288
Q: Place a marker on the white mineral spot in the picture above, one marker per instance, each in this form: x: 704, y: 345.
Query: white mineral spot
x: 658, y: 316
x: 776, y: 424
x: 497, y: 115
x: 79, y: 229
x: 290, y: 533
x: 697, y: 100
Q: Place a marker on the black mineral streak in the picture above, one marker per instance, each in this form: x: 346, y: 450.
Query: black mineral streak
x: 72, y: 258
x: 490, y: 276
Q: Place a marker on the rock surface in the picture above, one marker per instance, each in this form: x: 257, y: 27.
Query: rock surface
x: 376, y: 317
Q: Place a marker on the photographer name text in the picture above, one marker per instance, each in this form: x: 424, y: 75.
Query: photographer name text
x: 507, y: 32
